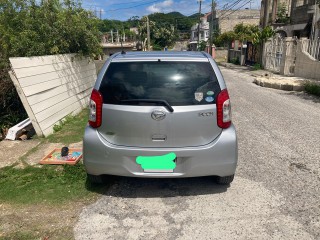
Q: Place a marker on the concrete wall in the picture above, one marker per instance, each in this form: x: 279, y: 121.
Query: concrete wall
x: 51, y: 87
x: 221, y: 54
x: 228, y: 21
x: 306, y: 66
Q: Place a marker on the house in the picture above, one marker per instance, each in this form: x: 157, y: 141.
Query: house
x: 226, y: 20
x: 295, y: 49
x: 204, y: 30
x: 302, y: 17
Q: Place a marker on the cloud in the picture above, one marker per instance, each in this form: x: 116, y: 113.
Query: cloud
x: 160, y: 7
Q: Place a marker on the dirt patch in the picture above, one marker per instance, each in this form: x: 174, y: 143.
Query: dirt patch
x: 40, y: 221
x: 12, y: 150
x: 37, y: 221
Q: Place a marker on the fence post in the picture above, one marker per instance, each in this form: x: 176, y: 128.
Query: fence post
x: 285, y: 63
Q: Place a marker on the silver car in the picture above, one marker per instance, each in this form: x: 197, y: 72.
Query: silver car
x: 160, y: 115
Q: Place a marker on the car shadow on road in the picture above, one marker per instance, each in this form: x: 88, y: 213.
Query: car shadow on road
x: 159, y: 187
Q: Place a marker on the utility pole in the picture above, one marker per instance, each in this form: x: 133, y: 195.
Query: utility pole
x: 198, y: 45
x: 148, y: 33
x: 211, y: 32
x: 112, y: 36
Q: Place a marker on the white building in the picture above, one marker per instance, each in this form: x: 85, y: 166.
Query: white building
x: 204, y: 30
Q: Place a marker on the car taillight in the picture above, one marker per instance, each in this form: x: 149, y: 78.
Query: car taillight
x: 95, y: 109
x: 223, y: 109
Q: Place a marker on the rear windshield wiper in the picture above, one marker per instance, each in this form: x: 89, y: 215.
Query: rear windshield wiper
x: 159, y: 102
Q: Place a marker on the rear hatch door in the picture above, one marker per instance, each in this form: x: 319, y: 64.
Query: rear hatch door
x: 159, y: 104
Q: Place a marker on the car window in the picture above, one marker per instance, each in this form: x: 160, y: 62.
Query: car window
x: 179, y: 83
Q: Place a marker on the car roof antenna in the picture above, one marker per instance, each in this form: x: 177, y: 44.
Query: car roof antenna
x: 122, y: 51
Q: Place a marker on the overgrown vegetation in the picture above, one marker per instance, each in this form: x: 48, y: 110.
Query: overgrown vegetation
x: 312, y: 88
x: 165, y: 28
x: 235, y: 61
x: 71, y: 129
x: 48, y: 184
x: 35, y: 28
x: 246, y: 33
x: 257, y: 66
x: 282, y: 16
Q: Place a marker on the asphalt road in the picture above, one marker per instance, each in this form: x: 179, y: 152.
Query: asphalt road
x: 275, y: 195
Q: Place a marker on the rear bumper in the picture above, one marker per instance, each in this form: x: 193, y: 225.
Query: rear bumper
x: 218, y: 158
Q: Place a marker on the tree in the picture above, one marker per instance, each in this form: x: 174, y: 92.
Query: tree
x: 162, y: 33
x: 282, y: 14
x: 35, y: 28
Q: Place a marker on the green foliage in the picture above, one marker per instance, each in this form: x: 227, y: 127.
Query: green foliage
x: 257, y: 66
x: 35, y: 28
x: 71, y: 130
x: 68, y: 119
x: 282, y: 14
x: 176, y: 19
x: 202, y: 45
x: 245, y: 32
x: 162, y: 34
x: 225, y: 38
x: 312, y: 88
x: 48, y: 184
x: 235, y: 61
x: 262, y: 35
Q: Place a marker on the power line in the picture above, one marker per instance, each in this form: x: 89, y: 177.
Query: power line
x: 230, y: 7
x: 236, y: 9
x: 113, y: 10
x: 127, y: 3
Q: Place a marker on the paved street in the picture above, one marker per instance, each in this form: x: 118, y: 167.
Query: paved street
x: 275, y: 195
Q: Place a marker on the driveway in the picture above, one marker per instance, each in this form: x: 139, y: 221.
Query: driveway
x: 275, y: 194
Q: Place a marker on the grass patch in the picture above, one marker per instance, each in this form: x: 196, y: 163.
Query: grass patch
x: 256, y: 67
x: 20, y: 236
x: 312, y: 88
x: 47, y: 184
x: 70, y: 130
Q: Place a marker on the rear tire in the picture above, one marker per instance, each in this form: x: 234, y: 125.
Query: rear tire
x: 95, y: 179
x: 225, y: 180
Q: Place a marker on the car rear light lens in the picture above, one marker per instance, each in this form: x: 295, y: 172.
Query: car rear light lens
x: 95, y: 109
x: 223, y: 109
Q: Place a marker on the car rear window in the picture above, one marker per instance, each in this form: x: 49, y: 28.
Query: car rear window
x: 178, y: 83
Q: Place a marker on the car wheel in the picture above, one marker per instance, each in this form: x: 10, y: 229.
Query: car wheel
x: 225, y: 180
x: 96, y: 179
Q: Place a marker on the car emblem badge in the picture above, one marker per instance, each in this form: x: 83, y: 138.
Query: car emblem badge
x: 158, y: 115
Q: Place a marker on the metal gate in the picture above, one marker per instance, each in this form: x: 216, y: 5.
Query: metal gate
x: 252, y: 54
x: 274, y: 51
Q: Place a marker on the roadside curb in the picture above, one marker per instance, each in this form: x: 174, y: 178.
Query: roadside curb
x: 265, y: 82
x: 268, y: 79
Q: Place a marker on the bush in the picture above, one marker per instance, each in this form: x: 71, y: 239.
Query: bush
x: 257, y: 66
x: 235, y: 61
x: 36, y: 28
x: 312, y: 88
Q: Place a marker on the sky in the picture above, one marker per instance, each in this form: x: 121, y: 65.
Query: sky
x: 123, y: 10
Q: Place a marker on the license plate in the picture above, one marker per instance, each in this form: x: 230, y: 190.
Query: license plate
x: 158, y: 164
x: 157, y: 171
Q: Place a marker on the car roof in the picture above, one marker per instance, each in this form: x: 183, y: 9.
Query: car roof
x: 160, y: 55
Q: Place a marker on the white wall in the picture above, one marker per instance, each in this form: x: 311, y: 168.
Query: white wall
x: 306, y: 66
x: 51, y: 87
